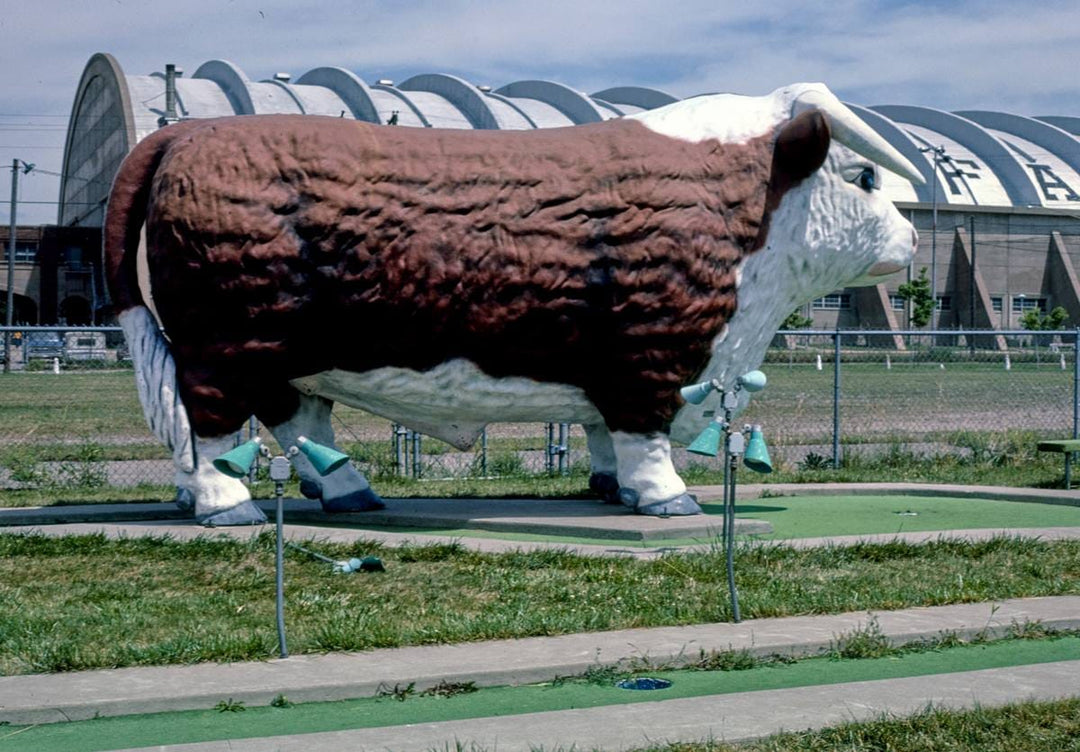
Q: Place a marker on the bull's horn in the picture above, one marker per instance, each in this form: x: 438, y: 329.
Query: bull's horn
x: 853, y: 133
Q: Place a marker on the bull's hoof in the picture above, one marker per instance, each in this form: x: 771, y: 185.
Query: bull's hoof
x: 628, y: 497
x: 357, y: 501
x: 185, y: 500
x: 606, y: 486
x: 682, y: 505
x: 244, y: 513
x: 309, y: 489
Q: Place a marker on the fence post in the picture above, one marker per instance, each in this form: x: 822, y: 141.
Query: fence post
x: 253, y: 431
x: 1076, y: 404
x: 549, y: 455
x: 416, y: 455
x: 836, y: 401
x: 483, y: 453
x: 564, y: 448
x: 400, y: 449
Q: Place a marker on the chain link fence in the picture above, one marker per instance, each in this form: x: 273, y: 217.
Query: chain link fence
x: 70, y: 418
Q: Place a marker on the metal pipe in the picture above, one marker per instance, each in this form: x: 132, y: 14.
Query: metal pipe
x: 564, y: 448
x: 483, y: 453
x: 416, y: 458
x: 9, y: 318
x: 399, y: 451
x: 1076, y: 404
x: 729, y: 523
x: 170, y: 115
x: 971, y: 274
x: 253, y: 431
x: 549, y: 457
x: 279, y: 564
x: 836, y: 401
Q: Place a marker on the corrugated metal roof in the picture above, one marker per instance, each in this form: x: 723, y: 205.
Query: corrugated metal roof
x: 989, y: 158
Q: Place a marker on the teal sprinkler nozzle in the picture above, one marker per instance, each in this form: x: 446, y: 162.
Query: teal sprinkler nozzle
x: 367, y: 564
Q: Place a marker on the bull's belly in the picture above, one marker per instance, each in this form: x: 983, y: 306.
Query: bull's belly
x: 453, y: 401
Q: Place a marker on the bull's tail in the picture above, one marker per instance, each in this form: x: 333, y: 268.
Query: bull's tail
x: 125, y: 214
x: 155, y: 369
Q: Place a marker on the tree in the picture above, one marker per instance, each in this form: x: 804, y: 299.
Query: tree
x: 796, y: 320
x: 917, y: 293
x: 1034, y: 321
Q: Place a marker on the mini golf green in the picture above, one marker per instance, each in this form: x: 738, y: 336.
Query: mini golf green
x: 822, y: 516
x: 826, y: 516
x: 208, y: 725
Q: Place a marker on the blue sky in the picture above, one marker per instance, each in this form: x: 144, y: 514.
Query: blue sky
x: 1005, y: 56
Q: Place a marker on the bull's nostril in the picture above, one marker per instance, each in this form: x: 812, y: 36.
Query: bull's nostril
x: 914, y: 239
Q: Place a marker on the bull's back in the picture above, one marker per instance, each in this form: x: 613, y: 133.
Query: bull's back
x: 305, y: 244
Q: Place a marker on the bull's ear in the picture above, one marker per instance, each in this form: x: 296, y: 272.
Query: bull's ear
x: 801, y: 146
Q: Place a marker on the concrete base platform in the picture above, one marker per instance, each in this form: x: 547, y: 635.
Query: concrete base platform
x: 585, y: 518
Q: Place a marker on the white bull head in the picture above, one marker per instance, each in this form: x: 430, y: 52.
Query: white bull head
x: 833, y: 229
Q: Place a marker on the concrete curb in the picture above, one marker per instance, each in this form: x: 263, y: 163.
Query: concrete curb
x: 50, y: 698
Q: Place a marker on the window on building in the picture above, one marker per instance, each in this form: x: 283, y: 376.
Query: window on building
x: 835, y: 302
x: 944, y: 302
x: 897, y: 302
x: 25, y: 251
x: 997, y: 303
x: 1025, y: 303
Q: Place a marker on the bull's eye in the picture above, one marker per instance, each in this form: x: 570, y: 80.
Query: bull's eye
x: 867, y: 179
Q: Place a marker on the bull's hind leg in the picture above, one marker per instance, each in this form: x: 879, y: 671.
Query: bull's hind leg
x: 344, y: 490
x: 647, y: 479
x: 604, y: 478
x: 215, y: 499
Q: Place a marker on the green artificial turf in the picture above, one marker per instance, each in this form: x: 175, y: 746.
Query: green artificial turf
x: 820, y: 516
x: 824, y: 516
x: 215, y: 724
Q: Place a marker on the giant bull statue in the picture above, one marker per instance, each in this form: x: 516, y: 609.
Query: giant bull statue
x: 270, y: 265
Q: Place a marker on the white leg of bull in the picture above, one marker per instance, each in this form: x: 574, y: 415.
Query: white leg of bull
x: 218, y: 499
x: 647, y: 479
x: 344, y: 490
x: 604, y: 478
x: 215, y: 498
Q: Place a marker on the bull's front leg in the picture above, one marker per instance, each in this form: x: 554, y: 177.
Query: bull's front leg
x: 344, y: 490
x: 647, y: 479
x: 216, y: 499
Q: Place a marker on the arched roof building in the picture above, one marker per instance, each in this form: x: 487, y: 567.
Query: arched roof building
x: 1019, y: 175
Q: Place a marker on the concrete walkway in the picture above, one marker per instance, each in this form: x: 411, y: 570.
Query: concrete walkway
x: 731, y: 718
x: 48, y: 698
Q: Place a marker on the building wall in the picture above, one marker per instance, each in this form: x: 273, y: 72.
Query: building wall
x: 1011, y: 250
x: 57, y: 271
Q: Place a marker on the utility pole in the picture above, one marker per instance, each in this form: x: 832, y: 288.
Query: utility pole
x: 971, y: 280
x: 939, y: 157
x: 10, y: 314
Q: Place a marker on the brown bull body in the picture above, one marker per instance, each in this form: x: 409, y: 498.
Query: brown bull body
x: 600, y: 256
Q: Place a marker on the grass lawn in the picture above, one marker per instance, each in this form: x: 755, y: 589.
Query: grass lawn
x: 87, y: 602
x: 456, y: 702
x: 1024, y: 727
